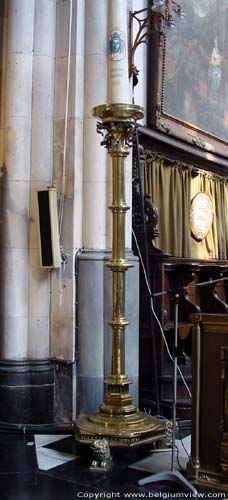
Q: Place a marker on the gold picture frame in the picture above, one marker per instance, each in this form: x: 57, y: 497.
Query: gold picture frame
x: 188, y: 86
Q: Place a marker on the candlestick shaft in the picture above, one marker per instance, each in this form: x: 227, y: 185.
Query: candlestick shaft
x: 118, y: 317
x: 118, y: 150
x: 118, y: 209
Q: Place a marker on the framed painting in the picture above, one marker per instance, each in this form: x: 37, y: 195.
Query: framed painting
x: 190, y: 97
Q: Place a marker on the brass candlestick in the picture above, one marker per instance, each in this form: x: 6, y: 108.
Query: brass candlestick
x: 118, y: 420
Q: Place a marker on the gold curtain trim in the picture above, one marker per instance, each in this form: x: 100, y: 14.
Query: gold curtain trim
x: 150, y: 156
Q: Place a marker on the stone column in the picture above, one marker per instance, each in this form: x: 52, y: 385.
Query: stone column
x: 3, y: 40
x: 25, y: 374
x: 94, y: 175
x: 91, y: 262
x: 15, y: 180
x: 63, y: 286
x: 41, y: 171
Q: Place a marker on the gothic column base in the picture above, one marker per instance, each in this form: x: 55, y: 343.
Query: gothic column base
x: 27, y: 392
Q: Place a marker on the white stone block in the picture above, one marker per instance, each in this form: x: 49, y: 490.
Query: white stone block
x: 62, y: 318
x: 78, y: 178
x: 74, y: 154
x: 14, y: 337
x: 78, y: 212
x: 94, y: 154
x: 95, y: 82
x: 14, y: 271
x: 94, y: 215
x: 19, y: 85
x: 45, y: 23
x: 61, y: 88
x: 74, y: 165
x: 63, y: 27
x: 17, y: 148
x: 68, y: 177
x: 38, y: 337
x: 58, y: 150
x: 96, y: 27
x: 21, y: 26
x: 43, y: 86
x: 14, y: 215
x: 70, y: 159
x: 62, y: 291
x: 68, y: 271
x: 67, y: 233
x: 39, y: 287
x: 80, y: 27
x: 79, y: 148
x: 79, y: 88
x: 42, y: 157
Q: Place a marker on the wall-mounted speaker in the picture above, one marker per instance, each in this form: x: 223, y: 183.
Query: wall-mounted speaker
x: 48, y: 228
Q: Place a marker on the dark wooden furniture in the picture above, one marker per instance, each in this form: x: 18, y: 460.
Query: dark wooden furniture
x: 209, y: 461
x: 170, y: 274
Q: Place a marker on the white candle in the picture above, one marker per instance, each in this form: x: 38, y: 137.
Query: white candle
x: 118, y: 80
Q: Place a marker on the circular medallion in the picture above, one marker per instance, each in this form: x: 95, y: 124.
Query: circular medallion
x: 201, y: 215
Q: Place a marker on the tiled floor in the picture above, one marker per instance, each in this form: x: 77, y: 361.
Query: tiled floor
x: 51, y: 467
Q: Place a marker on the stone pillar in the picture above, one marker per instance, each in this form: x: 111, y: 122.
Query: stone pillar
x: 3, y: 39
x: 94, y: 175
x: 63, y: 285
x: 91, y: 263
x: 41, y: 171
x: 15, y: 180
x: 26, y: 375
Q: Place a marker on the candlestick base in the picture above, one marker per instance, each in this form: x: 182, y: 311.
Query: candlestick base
x: 118, y: 421
x: 120, y: 431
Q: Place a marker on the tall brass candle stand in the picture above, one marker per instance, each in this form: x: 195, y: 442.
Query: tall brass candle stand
x: 118, y: 419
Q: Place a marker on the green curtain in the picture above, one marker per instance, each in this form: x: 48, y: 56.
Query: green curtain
x: 172, y: 186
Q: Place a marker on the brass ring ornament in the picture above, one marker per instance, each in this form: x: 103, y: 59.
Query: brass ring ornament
x: 201, y: 215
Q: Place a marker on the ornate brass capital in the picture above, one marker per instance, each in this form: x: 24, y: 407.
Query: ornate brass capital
x: 117, y: 126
